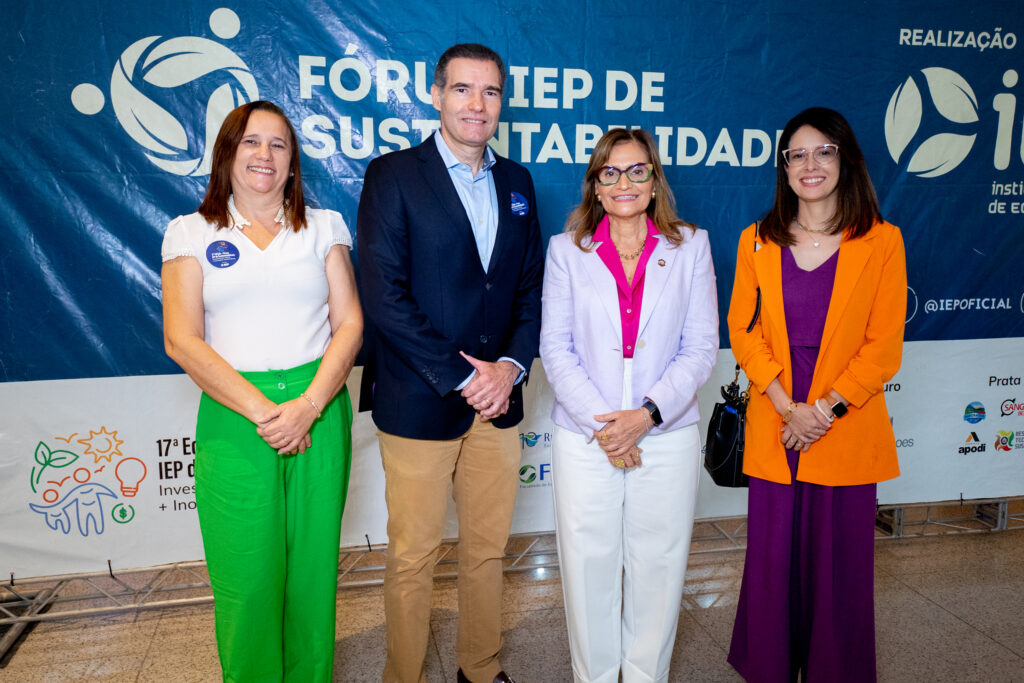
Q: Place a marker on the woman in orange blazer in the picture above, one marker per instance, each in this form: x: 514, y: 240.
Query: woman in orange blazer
x: 825, y: 278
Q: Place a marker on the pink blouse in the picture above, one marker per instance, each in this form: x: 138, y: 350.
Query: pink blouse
x: 630, y: 296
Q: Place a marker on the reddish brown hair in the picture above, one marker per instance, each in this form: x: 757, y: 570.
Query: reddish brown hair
x: 215, y: 204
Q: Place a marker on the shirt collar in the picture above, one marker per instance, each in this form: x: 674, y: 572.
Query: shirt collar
x: 239, y: 221
x: 451, y: 161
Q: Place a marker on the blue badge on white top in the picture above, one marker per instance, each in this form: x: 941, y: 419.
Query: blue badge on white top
x: 520, y: 206
x: 222, y: 254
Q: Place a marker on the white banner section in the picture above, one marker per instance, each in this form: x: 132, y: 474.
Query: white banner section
x: 102, y: 469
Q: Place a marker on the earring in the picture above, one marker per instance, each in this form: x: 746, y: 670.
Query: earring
x: 654, y: 193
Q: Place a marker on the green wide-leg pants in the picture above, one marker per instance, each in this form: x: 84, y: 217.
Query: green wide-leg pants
x: 271, y: 528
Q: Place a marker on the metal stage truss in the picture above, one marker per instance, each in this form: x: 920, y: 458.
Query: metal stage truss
x: 24, y: 601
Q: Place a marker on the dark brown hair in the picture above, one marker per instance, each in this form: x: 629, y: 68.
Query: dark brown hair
x: 467, y: 51
x: 215, y: 204
x: 857, y: 205
x: 584, y: 219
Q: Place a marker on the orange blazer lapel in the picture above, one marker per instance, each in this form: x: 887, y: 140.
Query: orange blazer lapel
x: 768, y: 267
x: 853, y: 256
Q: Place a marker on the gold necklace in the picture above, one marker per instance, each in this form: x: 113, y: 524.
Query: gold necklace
x: 819, y: 231
x: 630, y: 256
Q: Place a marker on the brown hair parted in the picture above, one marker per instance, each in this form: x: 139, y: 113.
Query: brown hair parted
x: 584, y: 219
x: 857, y: 205
x: 467, y: 51
x: 215, y: 204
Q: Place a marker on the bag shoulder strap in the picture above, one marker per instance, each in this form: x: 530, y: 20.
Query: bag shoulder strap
x: 757, y: 307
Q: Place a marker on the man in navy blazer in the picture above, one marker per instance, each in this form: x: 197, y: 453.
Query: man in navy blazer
x: 451, y: 269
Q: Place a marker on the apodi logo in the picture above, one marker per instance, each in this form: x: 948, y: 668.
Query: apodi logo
x: 972, y: 444
x: 153, y: 71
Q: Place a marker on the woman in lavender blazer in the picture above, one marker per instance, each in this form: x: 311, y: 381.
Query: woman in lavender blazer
x: 629, y: 333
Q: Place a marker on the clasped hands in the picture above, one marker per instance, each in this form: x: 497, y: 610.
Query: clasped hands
x: 488, y: 391
x: 806, y: 425
x: 618, y: 438
x: 285, y: 426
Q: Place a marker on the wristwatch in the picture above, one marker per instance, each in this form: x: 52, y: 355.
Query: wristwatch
x: 839, y: 409
x: 652, y: 408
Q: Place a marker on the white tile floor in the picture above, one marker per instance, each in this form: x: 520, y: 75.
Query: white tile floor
x: 948, y: 609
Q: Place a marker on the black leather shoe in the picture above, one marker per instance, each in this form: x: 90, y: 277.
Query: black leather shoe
x: 502, y: 677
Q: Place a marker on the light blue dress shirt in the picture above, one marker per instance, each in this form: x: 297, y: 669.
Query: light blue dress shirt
x: 478, y: 196
x: 480, y: 200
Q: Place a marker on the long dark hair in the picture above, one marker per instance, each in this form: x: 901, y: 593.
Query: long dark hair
x: 857, y: 205
x: 584, y: 219
x: 215, y: 204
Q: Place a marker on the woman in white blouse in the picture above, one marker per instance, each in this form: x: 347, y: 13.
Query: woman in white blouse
x: 261, y: 310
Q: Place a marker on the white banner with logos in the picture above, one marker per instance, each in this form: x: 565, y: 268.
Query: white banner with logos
x: 105, y: 472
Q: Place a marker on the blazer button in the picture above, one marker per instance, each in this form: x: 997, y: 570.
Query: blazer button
x: 483, y: 338
x: 488, y: 286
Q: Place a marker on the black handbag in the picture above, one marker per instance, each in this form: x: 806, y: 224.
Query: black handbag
x: 723, y: 448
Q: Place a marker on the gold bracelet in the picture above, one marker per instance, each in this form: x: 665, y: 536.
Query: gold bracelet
x: 789, y: 412
x: 312, y: 403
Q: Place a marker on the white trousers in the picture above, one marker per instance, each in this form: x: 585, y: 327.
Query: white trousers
x: 609, y: 520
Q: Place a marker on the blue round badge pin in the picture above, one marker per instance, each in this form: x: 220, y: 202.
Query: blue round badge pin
x: 222, y: 254
x: 520, y: 206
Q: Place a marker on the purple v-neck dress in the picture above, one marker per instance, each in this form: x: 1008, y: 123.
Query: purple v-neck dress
x: 807, y: 599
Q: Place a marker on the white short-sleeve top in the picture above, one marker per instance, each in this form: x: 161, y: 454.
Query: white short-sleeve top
x: 264, y: 310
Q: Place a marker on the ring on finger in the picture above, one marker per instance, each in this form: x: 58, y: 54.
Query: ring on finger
x: 620, y: 463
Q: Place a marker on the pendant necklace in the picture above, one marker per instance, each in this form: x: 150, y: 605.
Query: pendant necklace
x: 820, y: 231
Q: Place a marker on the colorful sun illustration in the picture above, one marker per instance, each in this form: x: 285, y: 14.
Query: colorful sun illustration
x: 102, y: 445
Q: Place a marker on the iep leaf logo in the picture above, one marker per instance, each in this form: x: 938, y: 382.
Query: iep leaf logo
x: 953, y: 100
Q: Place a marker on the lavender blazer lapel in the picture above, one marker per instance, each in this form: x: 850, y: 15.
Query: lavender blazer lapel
x: 656, y: 277
x: 601, y: 286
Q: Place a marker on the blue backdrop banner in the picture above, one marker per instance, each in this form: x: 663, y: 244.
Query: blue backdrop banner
x: 113, y: 109
x: 109, y: 122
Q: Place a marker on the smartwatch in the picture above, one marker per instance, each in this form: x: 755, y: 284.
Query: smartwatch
x: 839, y: 409
x: 652, y: 408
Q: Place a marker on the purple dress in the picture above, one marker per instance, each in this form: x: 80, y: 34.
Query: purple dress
x: 807, y: 599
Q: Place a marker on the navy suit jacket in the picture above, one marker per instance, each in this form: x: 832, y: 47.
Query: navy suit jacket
x: 427, y: 296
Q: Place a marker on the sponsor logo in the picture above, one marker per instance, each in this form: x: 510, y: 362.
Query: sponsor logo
x: 1004, y: 441
x: 532, y: 476
x: 972, y: 444
x: 531, y: 439
x: 974, y: 413
x: 1011, y: 406
x: 157, y: 72
x: 932, y: 120
x: 1011, y: 381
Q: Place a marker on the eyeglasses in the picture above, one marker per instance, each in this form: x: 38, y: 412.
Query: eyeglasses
x: 823, y: 154
x: 637, y: 173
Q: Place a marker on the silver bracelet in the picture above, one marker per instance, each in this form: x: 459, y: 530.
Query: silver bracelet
x: 647, y: 421
x: 312, y: 403
x: 825, y: 415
